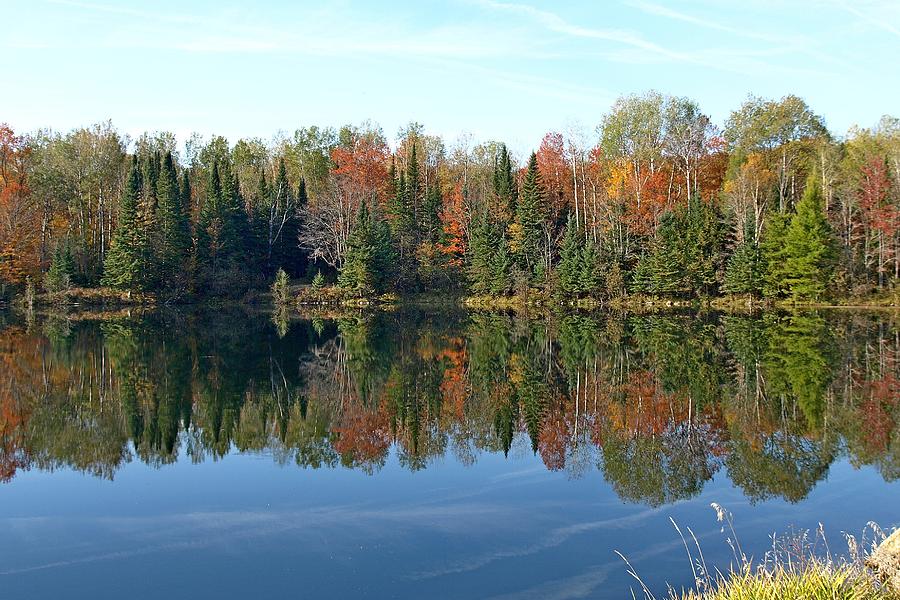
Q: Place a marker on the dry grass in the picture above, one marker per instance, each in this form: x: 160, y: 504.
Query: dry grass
x: 799, y: 566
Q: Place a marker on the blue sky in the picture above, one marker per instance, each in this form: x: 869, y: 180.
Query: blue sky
x: 506, y: 70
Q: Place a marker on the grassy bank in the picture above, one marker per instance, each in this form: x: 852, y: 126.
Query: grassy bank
x: 799, y: 566
x: 815, y: 580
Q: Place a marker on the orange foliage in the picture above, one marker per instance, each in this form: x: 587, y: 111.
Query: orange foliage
x: 556, y: 172
x: 19, y: 250
x: 363, y: 167
x: 455, y: 221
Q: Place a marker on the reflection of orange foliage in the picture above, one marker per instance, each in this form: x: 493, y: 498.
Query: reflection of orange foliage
x: 364, y: 435
x: 554, y: 435
x: 19, y: 367
x: 453, y: 384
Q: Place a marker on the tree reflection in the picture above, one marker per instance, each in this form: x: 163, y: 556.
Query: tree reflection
x: 659, y: 404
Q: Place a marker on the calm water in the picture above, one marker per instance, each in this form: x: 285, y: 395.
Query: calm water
x: 417, y: 455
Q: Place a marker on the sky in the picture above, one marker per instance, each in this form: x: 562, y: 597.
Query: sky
x: 493, y: 69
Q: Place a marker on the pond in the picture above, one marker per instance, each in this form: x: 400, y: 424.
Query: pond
x: 431, y: 453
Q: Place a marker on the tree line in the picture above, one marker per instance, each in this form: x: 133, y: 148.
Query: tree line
x: 657, y: 201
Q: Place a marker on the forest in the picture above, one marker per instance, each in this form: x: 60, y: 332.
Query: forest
x: 656, y: 201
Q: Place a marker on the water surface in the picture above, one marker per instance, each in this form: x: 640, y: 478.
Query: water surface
x: 430, y: 453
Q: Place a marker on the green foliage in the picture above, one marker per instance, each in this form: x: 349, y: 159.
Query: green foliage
x: 686, y: 253
x: 59, y: 276
x: 809, y: 249
x: 369, y: 258
x: 318, y: 281
x: 172, y: 238
x: 530, y: 216
x: 744, y: 271
x: 504, y: 181
x: 123, y: 268
x: 281, y: 289
x: 578, y: 271
x: 489, y: 260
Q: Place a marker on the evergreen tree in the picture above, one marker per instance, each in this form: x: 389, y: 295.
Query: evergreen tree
x: 569, y: 267
x: 809, y: 248
x: 173, y: 235
x: 431, y: 215
x: 743, y: 273
x: 122, y: 268
x: 318, y: 281
x: 185, y: 191
x: 504, y: 181
x: 530, y: 217
x: 368, y: 259
x: 223, y: 233
x: 283, y: 250
x: 772, y: 249
x: 59, y: 276
x: 489, y: 260
x: 414, y: 190
x: 685, y: 255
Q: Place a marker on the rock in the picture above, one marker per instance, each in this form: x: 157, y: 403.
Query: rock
x: 885, y: 560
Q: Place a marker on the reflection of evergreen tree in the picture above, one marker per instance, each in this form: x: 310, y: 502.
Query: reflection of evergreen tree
x: 799, y: 362
x: 686, y: 355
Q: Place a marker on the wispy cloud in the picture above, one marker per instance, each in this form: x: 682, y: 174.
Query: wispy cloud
x: 885, y: 19
x: 558, y: 24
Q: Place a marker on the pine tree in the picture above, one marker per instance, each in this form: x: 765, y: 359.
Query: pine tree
x: 569, y: 265
x: 530, y: 215
x: 173, y: 235
x: 59, y: 276
x: 809, y: 248
x: 122, y: 268
x: 414, y: 191
x: 743, y: 274
x: 504, y: 181
x: 357, y: 273
x: 489, y: 261
x: 772, y: 250
x: 318, y: 281
x: 431, y: 215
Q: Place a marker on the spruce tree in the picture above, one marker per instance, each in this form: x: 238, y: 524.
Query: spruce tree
x: 369, y: 255
x: 685, y: 255
x: 569, y: 267
x: 173, y: 235
x: 772, y: 249
x: 59, y: 276
x: 809, y: 248
x: 530, y: 215
x: 743, y: 273
x: 431, y: 215
x: 504, y: 181
x: 414, y: 191
x: 122, y: 268
x: 489, y: 261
